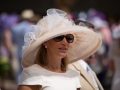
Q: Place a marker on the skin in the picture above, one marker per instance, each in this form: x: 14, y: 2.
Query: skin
x: 55, y: 52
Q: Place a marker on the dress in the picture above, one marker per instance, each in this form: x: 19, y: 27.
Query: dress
x: 114, y: 54
x: 36, y: 75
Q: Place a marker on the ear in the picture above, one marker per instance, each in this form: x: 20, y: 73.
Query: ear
x: 45, y: 43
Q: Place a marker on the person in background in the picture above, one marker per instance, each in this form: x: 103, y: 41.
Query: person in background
x: 6, y: 21
x: 18, y: 31
x: 114, y: 58
x: 54, y: 42
x: 88, y: 78
x: 100, y: 67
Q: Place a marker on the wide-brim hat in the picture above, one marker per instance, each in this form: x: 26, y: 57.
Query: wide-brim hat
x: 86, y: 42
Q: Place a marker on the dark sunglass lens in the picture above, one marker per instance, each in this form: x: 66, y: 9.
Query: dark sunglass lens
x: 59, y: 38
x: 69, y: 38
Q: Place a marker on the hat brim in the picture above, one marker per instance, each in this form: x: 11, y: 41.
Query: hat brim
x: 86, y: 42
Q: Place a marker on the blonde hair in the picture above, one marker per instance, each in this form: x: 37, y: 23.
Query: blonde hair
x: 41, y: 58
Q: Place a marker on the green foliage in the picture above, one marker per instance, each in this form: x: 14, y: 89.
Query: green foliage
x: 4, y: 66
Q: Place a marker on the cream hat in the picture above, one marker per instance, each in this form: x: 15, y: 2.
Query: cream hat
x: 86, y: 42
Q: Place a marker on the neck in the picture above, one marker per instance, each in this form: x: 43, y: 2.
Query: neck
x: 54, y: 64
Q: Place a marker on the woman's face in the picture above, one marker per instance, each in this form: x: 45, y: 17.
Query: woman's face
x: 57, y: 48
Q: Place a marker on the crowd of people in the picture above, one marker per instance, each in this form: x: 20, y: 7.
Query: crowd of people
x: 12, y: 29
x: 104, y: 62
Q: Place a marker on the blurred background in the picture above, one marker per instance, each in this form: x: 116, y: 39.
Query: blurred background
x: 17, y: 15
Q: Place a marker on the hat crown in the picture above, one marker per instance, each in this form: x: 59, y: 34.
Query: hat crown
x: 55, y: 18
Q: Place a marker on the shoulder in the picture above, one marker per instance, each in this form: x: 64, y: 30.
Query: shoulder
x: 34, y: 66
x: 75, y: 66
x: 31, y: 75
x: 32, y: 69
x: 70, y: 65
x: 93, y: 72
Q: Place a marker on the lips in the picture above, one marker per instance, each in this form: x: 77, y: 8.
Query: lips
x: 64, y: 50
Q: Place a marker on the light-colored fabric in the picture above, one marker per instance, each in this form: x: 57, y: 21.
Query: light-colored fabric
x: 85, y: 80
x: 36, y: 75
x: 86, y: 42
x: 83, y: 64
x: 87, y: 68
x: 92, y: 76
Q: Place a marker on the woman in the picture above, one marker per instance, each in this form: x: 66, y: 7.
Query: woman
x: 55, y: 42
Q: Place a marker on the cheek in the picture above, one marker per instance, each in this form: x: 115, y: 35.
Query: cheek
x: 52, y: 45
x: 53, y: 48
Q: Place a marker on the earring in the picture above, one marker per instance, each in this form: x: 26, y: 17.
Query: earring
x: 45, y: 46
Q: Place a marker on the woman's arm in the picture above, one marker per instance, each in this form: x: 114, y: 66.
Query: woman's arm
x: 29, y: 87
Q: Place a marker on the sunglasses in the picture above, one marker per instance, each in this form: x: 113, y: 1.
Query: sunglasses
x: 69, y: 38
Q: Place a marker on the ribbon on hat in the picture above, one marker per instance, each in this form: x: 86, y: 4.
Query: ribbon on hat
x: 30, y: 37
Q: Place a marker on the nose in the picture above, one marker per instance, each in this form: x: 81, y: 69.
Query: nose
x: 64, y: 41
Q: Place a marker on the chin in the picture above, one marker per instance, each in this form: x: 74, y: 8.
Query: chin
x: 63, y: 55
